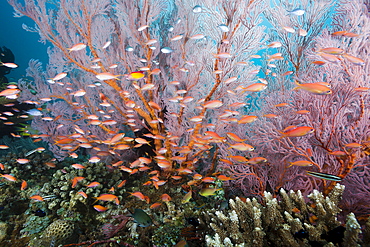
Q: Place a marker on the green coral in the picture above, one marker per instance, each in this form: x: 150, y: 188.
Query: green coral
x: 64, y: 196
x: 35, y: 225
x: 166, y: 235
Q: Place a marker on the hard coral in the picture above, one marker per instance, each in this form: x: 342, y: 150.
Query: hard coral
x: 60, y: 232
x: 288, y: 222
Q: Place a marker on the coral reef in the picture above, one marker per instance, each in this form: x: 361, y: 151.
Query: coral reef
x: 24, y: 148
x: 288, y: 222
x: 64, y: 196
x: 34, y: 225
x: 60, y: 232
x: 3, y: 229
x: 156, y: 92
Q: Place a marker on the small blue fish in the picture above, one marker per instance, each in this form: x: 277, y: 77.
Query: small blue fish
x: 34, y: 112
x: 296, y: 12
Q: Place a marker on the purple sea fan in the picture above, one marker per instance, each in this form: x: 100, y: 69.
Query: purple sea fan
x: 110, y: 230
x: 340, y: 119
x: 175, y: 55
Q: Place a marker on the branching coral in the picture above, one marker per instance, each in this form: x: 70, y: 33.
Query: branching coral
x: 289, y: 221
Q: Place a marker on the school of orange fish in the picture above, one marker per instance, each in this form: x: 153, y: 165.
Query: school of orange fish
x: 166, y: 162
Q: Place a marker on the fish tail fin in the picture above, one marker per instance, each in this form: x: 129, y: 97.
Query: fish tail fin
x: 297, y: 82
x: 282, y: 135
x: 298, y: 85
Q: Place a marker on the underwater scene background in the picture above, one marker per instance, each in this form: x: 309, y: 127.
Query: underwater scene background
x: 185, y: 123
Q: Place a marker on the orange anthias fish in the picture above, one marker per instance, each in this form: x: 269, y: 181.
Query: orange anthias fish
x: 332, y: 50
x: 238, y: 158
x: 234, y: 137
x: 297, y: 131
x: 338, y: 153
x: 93, y: 184
x: 108, y: 198
x: 75, y: 180
x: 247, y: 119
x: 242, y: 147
x: 315, y: 88
x: 155, y: 205
x: 121, y: 184
x: 320, y: 63
x: 301, y: 163
x: 37, y: 198
x: 23, y: 185
x: 64, y: 141
x: 77, y: 47
x: 106, y: 76
x: 354, y: 60
x: 166, y: 198
x: 78, y: 166
x: 213, y: 104
x: 345, y: 33
x: 208, y: 180
x: 139, y: 195
x: 9, y: 65
x: 59, y: 76
x: 100, y: 208
x: 9, y: 92
x: 256, y: 87
x: 83, y: 194
x: 224, y: 178
x: 8, y: 177
x: 257, y: 160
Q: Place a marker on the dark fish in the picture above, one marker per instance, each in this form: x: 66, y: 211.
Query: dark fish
x: 301, y: 234
x: 335, y: 235
x: 324, y: 176
x: 39, y: 213
x: 141, y: 218
x: 224, y: 205
x: 193, y: 221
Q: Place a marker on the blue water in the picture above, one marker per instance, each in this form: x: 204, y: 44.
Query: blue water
x: 23, y: 44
